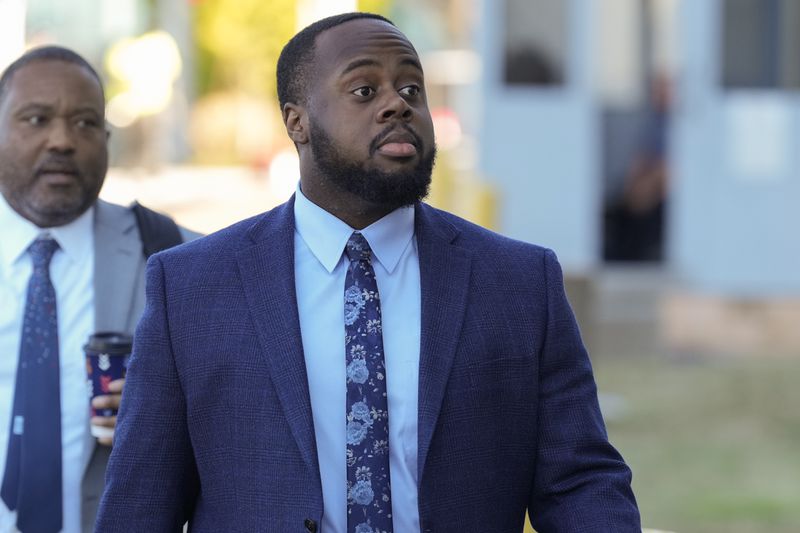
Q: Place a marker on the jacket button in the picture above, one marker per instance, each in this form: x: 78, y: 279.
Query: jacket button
x: 311, y: 526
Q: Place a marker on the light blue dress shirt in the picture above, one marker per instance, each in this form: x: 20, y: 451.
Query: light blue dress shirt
x: 320, y: 268
x: 72, y: 274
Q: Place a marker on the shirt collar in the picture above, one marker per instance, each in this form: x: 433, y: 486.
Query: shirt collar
x: 326, y: 236
x: 74, y: 239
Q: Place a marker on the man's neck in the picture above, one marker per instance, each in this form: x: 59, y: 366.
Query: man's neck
x: 347, y: 207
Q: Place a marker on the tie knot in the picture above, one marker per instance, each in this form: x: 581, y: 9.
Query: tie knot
x: 357, y: 247
x: 42, y: 250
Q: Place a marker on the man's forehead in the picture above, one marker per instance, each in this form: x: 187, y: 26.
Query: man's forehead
x: 27, y: 80
x: 37, y: 67
x: 360, y: 39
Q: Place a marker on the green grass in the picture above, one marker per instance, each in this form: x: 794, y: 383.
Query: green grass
x: 714, y: 443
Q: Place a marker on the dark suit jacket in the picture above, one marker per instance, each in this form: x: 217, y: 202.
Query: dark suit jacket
x: 216, y: 424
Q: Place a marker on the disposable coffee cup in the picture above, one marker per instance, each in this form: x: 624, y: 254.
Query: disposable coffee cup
x: 107, y: 355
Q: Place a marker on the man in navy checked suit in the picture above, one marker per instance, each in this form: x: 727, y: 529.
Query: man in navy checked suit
x: 233, y: 417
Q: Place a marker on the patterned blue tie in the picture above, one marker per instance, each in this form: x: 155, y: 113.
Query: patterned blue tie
x: 369, y: 503
x: 32, y: 480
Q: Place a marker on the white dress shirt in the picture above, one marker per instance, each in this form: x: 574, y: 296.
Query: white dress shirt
x: 320, y: 269
x: 72, y: 274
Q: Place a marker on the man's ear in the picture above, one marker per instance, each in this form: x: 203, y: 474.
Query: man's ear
x: 296, y: 120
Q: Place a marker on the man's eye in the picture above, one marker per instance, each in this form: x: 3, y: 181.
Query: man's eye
x: 35, y: 120
x: 87, y: 123
x: 410, y: 90
x: 364, y: 91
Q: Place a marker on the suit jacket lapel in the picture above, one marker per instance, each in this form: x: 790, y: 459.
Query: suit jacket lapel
x: 267, y: 270
x: 118, y: 259
x: 444, y: 274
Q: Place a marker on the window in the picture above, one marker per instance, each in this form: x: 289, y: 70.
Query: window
x: 760, y: 43
x: 535, y: 42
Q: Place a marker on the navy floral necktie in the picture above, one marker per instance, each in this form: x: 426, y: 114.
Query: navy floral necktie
x: 369, y: 503
x: 32, y: 479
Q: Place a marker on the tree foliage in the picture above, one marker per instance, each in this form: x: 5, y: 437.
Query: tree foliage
x: 381, y: 7
x: 239, y: 42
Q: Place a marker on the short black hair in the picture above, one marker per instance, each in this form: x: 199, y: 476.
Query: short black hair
x: 46, y: 53
x: 295, y: 61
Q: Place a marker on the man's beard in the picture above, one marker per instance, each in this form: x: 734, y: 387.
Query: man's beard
x: 388, y: 190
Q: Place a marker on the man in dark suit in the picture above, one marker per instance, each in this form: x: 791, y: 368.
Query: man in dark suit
x: 53, y: 161
x: 355, y: 360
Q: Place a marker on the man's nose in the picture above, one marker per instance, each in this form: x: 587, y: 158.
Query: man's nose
x: 395, y: 106
x: 61, y: 137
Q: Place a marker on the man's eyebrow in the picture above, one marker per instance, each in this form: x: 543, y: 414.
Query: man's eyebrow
x: 412, y: 61
x: 34, y: 105
x: 358, y: 63
x: 39, y: 106
x: 28, y: 106
x: 88, y: 109
x: 367, y: 62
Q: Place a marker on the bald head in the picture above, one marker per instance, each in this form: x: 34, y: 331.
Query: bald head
x: 45, y: 53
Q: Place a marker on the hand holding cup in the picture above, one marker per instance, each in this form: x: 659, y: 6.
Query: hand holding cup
x: 105, y: 403
x: 107, y: 355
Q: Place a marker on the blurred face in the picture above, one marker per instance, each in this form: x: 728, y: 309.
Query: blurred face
x: 53, y: 142
x: 371, y: 133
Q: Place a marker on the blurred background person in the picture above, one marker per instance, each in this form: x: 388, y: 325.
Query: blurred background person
x: 71, y: 265
x: 634, y: 222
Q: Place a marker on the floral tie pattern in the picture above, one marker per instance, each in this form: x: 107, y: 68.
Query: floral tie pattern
x: 369, y: 504
x: 32, y: 479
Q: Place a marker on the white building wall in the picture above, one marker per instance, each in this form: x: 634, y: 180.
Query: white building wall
x: 538, y: 145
